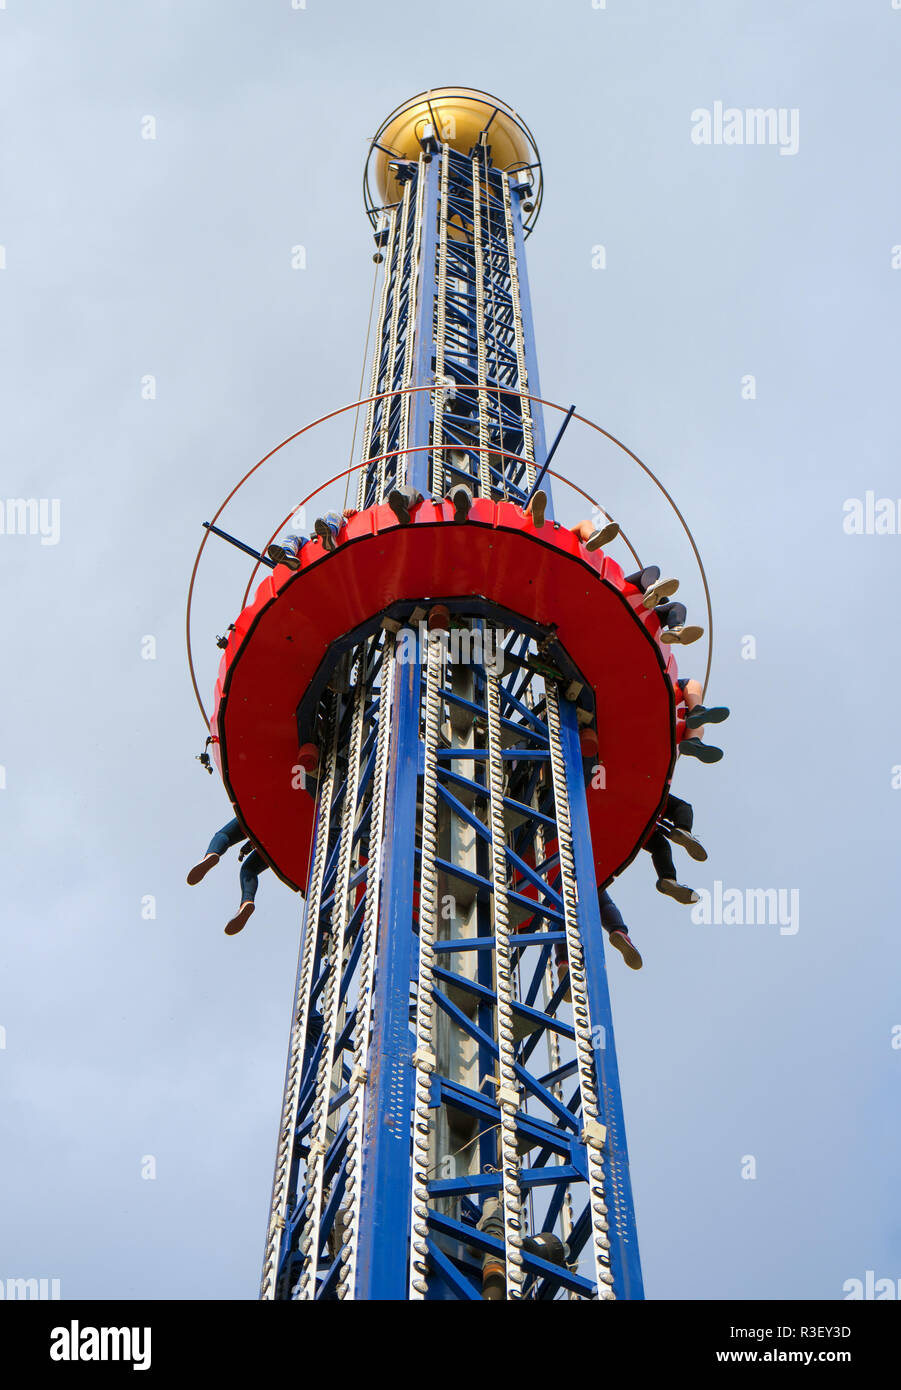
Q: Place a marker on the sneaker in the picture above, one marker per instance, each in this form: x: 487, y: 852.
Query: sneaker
x: 661, y: 589
x: 696, y: 749
x: 326, y: 535
x: 537, y: 507
x: 681, y: 634
x: 606, y: 534
x: 627, y: 949
x: 687, y: 841
x: 281, y: 556
x: 462, y: 500
x: 699, y: 715
x: 201, y: 870
x: 400, y: 504
x: 240, y: 919
x: 672, y: 889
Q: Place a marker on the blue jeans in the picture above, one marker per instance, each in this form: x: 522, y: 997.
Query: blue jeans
x: 294, y: 545
x: 334, y: 521
x: 643, y: 579
x: 251, y: 866
x: 229, y: 835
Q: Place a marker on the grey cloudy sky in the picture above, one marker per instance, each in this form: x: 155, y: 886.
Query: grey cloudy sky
x: 127, y: 1037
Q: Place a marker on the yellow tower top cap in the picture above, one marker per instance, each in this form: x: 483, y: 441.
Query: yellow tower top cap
x: 457, y: 116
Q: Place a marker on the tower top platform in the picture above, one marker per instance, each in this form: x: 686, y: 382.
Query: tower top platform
x: 461, y: 117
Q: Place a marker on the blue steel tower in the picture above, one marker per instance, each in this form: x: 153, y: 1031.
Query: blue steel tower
x: 452, y: 1125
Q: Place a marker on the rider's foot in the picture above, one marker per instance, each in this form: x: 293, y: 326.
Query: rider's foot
x: 201, y: 870
x: 626, y: 948
x: 240, y: 919
x: 604, y: 536
x: 682, y: 634
x: 672, y: 889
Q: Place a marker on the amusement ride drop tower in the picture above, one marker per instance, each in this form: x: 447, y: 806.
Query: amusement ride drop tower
x: 452, y: 1126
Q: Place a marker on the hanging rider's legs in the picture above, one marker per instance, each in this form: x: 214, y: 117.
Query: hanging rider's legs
x: 327, y: 528
x: 676, y: 823
x: 617, y: 933
x: 230, y: 834
x: 672, y: 619
x: 593, y: 538
x: 251, y: 868
x: 402, y: 501
x: 659, y: 849
x: 652, y: 586
x: 697, y: 716
x: 288, y: 552
x: 461, y: 497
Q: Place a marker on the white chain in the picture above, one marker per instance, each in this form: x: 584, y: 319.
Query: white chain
x: 508, y: 1089
x: 388, y: 402
x: 528, y: 442
x: 294, y: 1073
x: 424, y: 1055
x: 592, y: 1137
x: 414, y: 292
x: 319, y: 1133
x: 438, y: 470
x: 363, y: 1027
x: 481, y: 359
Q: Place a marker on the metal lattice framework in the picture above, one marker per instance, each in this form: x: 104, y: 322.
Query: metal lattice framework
x: 452, y: 1089
x: 453, y: 309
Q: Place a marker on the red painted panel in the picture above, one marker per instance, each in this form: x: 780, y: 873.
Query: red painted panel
x: 545, y: 575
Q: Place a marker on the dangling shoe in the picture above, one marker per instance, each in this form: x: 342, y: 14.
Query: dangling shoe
x: 281, y: 556
x: 606, y: 534
x: 240, y: 919
x: 201, y: 870
x: 659, y: 590
x: 326, y: 533
x: 681, y: 634
x: 537, y: 508
x: 701, y: 715
x: 695, y: 748
x: 627, y: 949
x: 462, y: 500
x: 401, y: 504
x: 672, y: 889
x: 687, y: 841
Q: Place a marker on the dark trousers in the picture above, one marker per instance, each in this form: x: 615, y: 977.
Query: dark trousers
x: 611, y: 917
x: 670, y: 614
x: 659, y: 849
x: 611, y: 921
x: 643, y: 579
x: 679, y: 813
x: 680, y: 816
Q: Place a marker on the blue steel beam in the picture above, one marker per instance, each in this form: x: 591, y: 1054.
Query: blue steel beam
x: 623, y: 1233
x: 386, y: 1177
